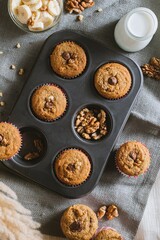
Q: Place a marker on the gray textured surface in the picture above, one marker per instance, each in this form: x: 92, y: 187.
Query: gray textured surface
x: 143, y: 125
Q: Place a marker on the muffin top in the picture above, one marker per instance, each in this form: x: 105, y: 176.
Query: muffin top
x: 68, y: 59
x: 133, y: 158
x: 79, y: 222
x: 48, y: 102
x: 112, y: 80
x: 10, y: 140
x: 108, y: 234
x: 72, y: 167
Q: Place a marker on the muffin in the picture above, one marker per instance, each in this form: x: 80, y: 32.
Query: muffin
x: 68, y: 59
x: 79, y: 222
x: 108, y: 234
x: 113, y: 80
x: 72, y: 167
x: 48, y: 102
x: 10, y: 141
x: 133, y: 158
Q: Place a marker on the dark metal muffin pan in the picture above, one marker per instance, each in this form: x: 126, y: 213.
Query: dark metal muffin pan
x: 60, y: 134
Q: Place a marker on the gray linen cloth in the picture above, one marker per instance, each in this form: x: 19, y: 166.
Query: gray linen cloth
x: 143, y: 125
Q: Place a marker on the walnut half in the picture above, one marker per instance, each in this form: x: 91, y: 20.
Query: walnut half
x: 112, y: 212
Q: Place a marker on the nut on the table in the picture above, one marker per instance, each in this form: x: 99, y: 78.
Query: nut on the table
x: 101, y: 212
x: 2, y: 104
x: 152, y: 69
x: 112, y: 212
x: 78, y: 6
x: 21, y: 71
x: 80, y: 18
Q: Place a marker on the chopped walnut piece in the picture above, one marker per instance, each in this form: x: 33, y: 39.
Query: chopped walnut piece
x: 112, y: 212
x: 39, y: 145
x: 99, y: 10
x: 31, y: 156
x: 101, y: 212
x: 155, y: 62
x: 1, y: 94
x: 150, y: 71
x: 13, y: 67
x: 78, y: 6
x: 80, y: 18
x: 43, y: 8
x: 18, y: 45
x: 91, y: 123
x: 86, y: 136
x: 49, y: 102
x: 2, y: 104
x: 3, y: 141
x: 21, y: 71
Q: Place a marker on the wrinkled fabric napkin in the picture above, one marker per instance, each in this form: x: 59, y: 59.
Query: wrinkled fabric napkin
x: 130, y: 195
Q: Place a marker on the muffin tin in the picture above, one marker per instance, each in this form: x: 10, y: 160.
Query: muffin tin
x: 60, y: 134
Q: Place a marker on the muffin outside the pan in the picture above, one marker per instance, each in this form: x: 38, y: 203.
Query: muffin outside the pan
x: 10, y: 141
x: 79, y: 222
x: 48, y: 102
x: 68, y: 59
x: 113, y: 80
x: 132, y: 158
x: 72, y: 167
x: 108, y: 234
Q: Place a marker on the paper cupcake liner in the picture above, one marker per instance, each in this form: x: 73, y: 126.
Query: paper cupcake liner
x: 127, y: 175
x: 82, y: 70
x: 103, y: 228
x: 113, y: 99
x: 64, y: 93
x: 18, y: 150
x: 83, y: 151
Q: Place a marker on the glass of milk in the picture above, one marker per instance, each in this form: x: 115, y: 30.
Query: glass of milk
x: 135, y: 30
